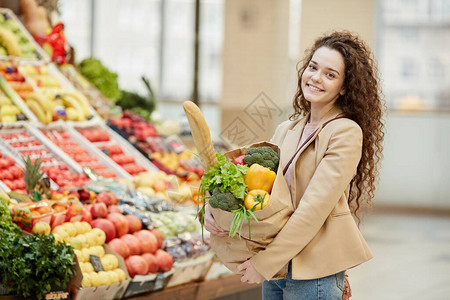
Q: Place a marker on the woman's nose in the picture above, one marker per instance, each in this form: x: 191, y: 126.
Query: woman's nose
x: 316, y: 77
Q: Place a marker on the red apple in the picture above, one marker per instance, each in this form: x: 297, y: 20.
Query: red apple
x: 104, y: 197
x: 99, y: 210
x: 135, y: 224
x: 84, y: 194
x: 158, y: 236
x: 114, y: 209
x: 165, y: 260
x: 120, y: 247
x: 132, y: 243
x: 113, y: 198
x: 105, y: 225
x: 87, y: 216
x: 147, y: 241
x: 152, y: 262
x: 136, y: 265
x: 120, y: 222
x: 6, y: 174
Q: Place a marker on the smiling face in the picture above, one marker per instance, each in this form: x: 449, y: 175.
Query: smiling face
x: 323, y: 79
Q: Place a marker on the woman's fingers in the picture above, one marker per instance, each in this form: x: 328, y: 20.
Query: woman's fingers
x: 211, y: 225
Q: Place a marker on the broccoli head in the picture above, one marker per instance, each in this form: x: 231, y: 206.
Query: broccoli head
x: 224, y: 200
x: 264, y: 156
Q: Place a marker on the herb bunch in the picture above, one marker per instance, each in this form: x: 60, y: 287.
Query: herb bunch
x: 31, y: 264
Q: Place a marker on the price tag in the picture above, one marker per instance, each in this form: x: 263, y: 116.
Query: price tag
x: 96, y: 263
x: 159, y: 282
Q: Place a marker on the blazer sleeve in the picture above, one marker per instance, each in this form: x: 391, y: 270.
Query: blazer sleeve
x: 327, y: 185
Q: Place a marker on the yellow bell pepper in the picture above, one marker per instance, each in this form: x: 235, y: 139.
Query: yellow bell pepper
x: 259, y: 178
x: 256, y: 199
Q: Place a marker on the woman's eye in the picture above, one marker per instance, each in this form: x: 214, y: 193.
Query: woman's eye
x: 312, y: 67
x: 330, y: 75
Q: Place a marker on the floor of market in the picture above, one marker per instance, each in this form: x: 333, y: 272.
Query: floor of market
x: 411, y: 259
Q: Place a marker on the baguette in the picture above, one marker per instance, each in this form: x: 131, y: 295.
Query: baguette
x: 201, y: 135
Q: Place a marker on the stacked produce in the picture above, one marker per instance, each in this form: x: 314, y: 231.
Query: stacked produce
x: 29, y: 146
x: 15, y: 79
x: 144, y: 137
x: 104, y: 106
x: 161, y: 185
x: 102, y: 140
x: 13, y: 42
x: 89, y: 241
x: 11, y: 174
x: 141, y: 248
x: 31, y: 264
x: 9, y: 112
x: 79, y: 154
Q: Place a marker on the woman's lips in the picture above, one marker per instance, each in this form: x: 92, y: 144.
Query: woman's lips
x: 314, y: 88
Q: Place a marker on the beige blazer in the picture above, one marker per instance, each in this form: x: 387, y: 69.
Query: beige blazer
x: 321, y: 237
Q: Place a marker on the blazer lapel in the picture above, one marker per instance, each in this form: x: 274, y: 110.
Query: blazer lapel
x: 291, y: 139
x: 332, y: 113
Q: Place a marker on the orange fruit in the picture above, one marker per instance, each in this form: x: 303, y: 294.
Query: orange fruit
x: 44, y: 210
x: 59, y: 208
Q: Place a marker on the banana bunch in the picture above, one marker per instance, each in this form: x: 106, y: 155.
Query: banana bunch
x: 52, y: 101
x: 41, y: 106
x: 10, y: 42
x: 77, y: 105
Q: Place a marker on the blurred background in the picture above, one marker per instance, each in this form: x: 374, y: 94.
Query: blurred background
x: 245, y: 61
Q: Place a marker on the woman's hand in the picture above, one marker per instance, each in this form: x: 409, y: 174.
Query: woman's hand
x: 211, y: 225
x: 250, y: 273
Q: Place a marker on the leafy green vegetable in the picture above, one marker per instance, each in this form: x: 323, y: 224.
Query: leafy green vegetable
x: 228, y: 176
x: 101, y: 77
x: 238, y: 221
x: 136, y: 103
x: 31, y: 264
x: 224, y: 200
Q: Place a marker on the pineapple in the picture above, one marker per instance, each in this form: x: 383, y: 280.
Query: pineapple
x: 32, y: 175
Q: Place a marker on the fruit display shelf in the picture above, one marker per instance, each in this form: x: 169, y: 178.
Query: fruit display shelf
x: 116, y: 147
x: 102, y: 105
x: 167, y: 153
x: 11, y: 93
x: 9, y: 112
x: 17, y: 40
x: 22, y: 140
x: 82, y: 151
x: 54, y: 93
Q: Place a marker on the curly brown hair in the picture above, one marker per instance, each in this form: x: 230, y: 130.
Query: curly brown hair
x: 362, y: 102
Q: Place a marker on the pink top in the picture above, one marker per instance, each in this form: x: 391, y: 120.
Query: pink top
x: 307, y: 130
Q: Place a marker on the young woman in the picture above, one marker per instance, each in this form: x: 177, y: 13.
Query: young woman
x: 330, y: 158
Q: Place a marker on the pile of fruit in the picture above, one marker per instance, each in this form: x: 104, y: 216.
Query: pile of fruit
x: 28, y: 146
x: 143, y: 136
x: 13, y: 42
x: 89, y: 241
x: 135, y: 126
x: 11, y: 174
x: 82, y: 156
x: 102, y: 140
x: 141, y: 248
x: 9, y: 112
x: 15, y: 79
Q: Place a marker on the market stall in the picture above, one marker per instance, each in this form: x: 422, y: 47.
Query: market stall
x: 109, y: 193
